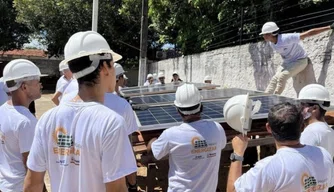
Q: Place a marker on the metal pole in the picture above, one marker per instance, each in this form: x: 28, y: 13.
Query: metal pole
x: 95, y: 15
x: 242, y: 25
x: 143, y: 44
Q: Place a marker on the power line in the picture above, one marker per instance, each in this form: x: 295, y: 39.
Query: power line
x: 308, y: 18
x: 311, y: 25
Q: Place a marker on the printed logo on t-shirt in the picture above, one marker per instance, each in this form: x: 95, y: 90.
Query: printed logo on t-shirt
x: 310, y: 184
x: 65, y: 146
x: 201, y: 146
x: 2, y: 138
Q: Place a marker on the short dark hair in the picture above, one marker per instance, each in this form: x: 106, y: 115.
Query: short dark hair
x: 81, y: 63
x: 286, y: 122
x: 321, y: 110
x: 180, y: 109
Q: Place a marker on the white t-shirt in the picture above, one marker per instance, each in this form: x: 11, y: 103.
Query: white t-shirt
x: 83, y: 145
x: 146, y: 83
x: 17, y: 128
x: 123, y: 108
x: 3, y: 94
x: 319, y: 134
x: 69, y: 96
x: 290, y: 169
x: 288, y: 46
x: 194, y: 155
x: 72, y: 85
x: 61, y: 82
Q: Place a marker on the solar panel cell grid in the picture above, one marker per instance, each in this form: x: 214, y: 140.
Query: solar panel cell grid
x: 159, y: 115
x: 206, y: 95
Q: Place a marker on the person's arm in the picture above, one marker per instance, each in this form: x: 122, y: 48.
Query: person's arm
x: 117, y: 186
x: 159, y: 147
x: 55, y: 98
x: 36, y: 163
x: 239, y: 144
x: 234, y: 173
x: 315, y: 31
x: 34, y: 181
x: 24, y: 159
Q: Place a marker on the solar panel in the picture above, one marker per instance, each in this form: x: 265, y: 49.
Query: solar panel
x: 161, y: 117
x: 160, y: 99
x: 158, y: 89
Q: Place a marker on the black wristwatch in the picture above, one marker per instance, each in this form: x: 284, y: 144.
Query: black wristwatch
x: 234, y: 157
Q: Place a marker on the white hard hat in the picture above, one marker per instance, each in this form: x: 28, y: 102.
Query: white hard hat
x: 208, y: 78
x: 269, y: 27
x: 187, y: 96
x: 3, y: 85
x: 19, y: 70
x: 161, y: 74
x: 125, y: 77
x: 88, y: 43
x: 149, y: 76
x: 238, y: 112
x: 315, y: 93
x: 118, y: 69
x: 63, y: 66
x: 155, y: 75
x: 175, y: 73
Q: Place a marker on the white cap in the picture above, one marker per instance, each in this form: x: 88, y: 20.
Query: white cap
x: 187, y: 96
x: 315, y: 93
x: 161, y: 74
x: 238, y: 112
x: 118, y: 69
x: 207, y: 78
x: 175, y: 73
x: 269, y: 27
x: 63, y: 66
x: 125, y: 77
x: 88, y: 43
x: 20, y: 70
x: 149, y: 76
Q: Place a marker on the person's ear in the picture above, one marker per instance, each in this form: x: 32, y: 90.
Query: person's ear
x: 106, y: 68
x: 268, y: 128
x: 315, y: 108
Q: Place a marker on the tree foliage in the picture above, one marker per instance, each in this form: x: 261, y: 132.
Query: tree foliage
x: 56, y: 20
x: 199, y: 25
x: 13, y: 34
x: 192, y: 25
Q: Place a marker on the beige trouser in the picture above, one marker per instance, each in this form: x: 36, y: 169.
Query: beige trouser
x: 277, y: 83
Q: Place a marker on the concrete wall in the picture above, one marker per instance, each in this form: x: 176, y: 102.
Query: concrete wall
x: 251, y: 66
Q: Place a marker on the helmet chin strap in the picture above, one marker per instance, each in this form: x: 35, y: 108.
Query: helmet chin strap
x: 95, y: 63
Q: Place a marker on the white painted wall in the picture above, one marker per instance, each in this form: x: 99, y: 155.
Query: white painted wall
x: 251, y: 66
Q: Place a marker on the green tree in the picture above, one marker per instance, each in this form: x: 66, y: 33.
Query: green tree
x: 56, y: 20
x: 200, y: 25
x: 13, y: 34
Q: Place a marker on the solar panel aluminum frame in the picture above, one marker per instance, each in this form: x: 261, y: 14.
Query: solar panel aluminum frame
x: 160, y: 89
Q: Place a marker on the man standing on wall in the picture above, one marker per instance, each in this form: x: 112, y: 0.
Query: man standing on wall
x: 294, y: 57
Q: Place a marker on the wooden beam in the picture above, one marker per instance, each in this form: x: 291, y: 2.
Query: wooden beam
x: 253, y: 142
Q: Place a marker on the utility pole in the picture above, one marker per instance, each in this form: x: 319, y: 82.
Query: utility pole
x: 95, y: 15
x: 143, y: 44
